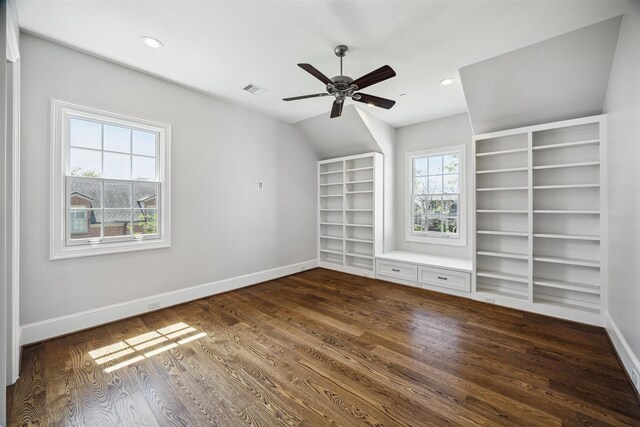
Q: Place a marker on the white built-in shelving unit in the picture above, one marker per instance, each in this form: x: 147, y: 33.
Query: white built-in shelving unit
x: 540, y: 218
x: 350, y: 203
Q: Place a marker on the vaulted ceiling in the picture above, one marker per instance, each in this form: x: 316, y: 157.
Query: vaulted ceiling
x: 220, y: 46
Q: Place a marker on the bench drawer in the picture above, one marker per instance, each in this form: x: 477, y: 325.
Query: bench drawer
x: 397, y: 270
x: 444, y: 278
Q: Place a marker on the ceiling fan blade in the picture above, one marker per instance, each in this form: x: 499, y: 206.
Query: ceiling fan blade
x: 315, y: 73
x: 383, y: 73
x: 336, y: 110
x: 295, y: 98
x: 375, y: 100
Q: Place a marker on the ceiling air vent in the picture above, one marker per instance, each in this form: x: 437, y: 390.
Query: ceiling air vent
x: 254, y: 89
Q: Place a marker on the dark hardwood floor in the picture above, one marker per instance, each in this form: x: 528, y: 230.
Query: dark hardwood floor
x: 320, y: 348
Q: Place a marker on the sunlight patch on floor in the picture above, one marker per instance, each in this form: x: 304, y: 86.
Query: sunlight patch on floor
x: 147, y: 340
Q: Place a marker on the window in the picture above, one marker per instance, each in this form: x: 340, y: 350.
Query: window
x: 110, y: 183
x: 435, y: 196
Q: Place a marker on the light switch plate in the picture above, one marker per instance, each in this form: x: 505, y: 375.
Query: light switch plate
x: 259, y: 186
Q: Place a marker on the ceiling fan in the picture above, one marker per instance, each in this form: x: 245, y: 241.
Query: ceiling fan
x: 343, y: 87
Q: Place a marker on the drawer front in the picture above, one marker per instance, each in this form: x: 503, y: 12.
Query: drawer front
x: 397, y: 270
x: 444, y: 278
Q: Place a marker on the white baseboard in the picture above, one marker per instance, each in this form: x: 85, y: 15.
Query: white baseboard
x: 46, y: 329
x: 622, y: 347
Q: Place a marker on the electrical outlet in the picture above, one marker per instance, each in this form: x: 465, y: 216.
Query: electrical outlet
x: 259, y: 186
x: 488, y: 299
x: 153, y: 305
x: 634, y: 377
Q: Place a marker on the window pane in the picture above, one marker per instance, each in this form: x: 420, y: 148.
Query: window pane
x: 145, y: 195
x: 117, y: 138
x: 450, y: 205
x: 419, y: 205
x: 146, y: 221
x: 419, y: 223
x: 435, y: 165
x: 434, y: 205
x: 117, y: 195
x: 85, y: 162
x: 144, y: 143
x: 451, y: 163
x: 420, y: 166
x: 117, y: 222
x: 451, y: 226
x: 420, y: 185
x: 117, y: 165
x: 451, y: 183
x: 85, y: 194
x: 84, y: 224
x: 435, y: 184
x: 434, y: 224
x: 144, y: 168
x: 83, y: 133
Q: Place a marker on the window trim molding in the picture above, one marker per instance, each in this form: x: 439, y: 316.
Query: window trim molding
x: 462, y: 208
x: 58, y: 248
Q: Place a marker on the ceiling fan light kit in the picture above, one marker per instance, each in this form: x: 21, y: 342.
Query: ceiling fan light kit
x: 342, y: 87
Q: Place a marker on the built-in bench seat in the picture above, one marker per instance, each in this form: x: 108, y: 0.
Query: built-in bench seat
x: 437, y: 273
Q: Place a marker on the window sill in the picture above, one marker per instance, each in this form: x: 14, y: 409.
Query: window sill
x: 107, y: 248
x: 461, y: 241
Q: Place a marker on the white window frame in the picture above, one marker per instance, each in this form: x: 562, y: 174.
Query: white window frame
x: 60, y: 247
x: 444, y: 239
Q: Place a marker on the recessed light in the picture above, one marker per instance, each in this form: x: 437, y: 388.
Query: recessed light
x: 151, y: 42
x: 371, y: 105
x: 403, y: 94
x: 446, y: 82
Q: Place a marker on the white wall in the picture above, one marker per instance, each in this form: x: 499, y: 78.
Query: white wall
x: 623, y: 108
x: 385, y: 137
x: 222, y: 227
x: 5, y: 206
x: 453, y: 130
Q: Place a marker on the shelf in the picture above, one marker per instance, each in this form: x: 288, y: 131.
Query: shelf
x: 509, y: 211
x: 355, y: 263
x: 502, y: 276
x: 359, y: 255
x: 359, y: 192
x: 566, y: 145
x: 502, y: 292
x: 503, y: 255
x: 360, y: 169
x: 328, y: 185
x: 571, y: 286
x: 330, y: 223
x: 503, y: 170
x: 330, y: 210
x: 556, y: 187
x: 497, y: 153
x: 360, y: 225
x: 331, y: 261
x: 563, y: 303
x: 567, y: 237
x: 567, y: 261
x: 567, y: 211
x: 330, y: 172
x: 359, y: 210
x: 502, y: 189
x: 350, y: 239
x: 331, y: 251
x: 503, y: 233
x: 330, y: 195
x: 331, y: 237
x: 567, y: 165
x: 366, y: 181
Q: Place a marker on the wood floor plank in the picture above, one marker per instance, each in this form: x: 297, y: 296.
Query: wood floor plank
x: 327, y: 348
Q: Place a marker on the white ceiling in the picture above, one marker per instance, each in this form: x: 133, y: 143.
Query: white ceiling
x: 561, y: 78
x: 220, y: 46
